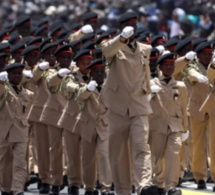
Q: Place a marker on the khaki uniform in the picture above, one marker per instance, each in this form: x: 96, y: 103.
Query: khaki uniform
x: 199, y: 121
x: 14, y: 134
x: 209, y: 108
x: 72, y: 135
x: 168, y: 121
x: 125, y: 95
x: 40, y: 129
x: 50, y: 116
x: 93, y: 123
x: 186, y: 152
x: 76, y: 36
x: 29, y: 83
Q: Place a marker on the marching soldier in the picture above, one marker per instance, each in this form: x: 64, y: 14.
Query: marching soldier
x: 199, y: 120
x: 208, y: 107
x: 67, y: 120
x: 125, y: 95
x: 40, y: 72
x: 93, y: 124
x: 168, y: 121
x: 15, y: 103
x: 52, y: 112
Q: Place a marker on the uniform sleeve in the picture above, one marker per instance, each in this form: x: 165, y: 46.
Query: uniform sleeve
x: 25, y: 79
x: 147, y: 69
x: 211, y: 74
x: 53, y: 80
x: 111, y: 47
x: 184, y: 107
x: 76, y: 36
x: 83, y: 93
x: 2, y: 90
x: 180, y: 64
x: 193, y: 75
x: 37, y: 73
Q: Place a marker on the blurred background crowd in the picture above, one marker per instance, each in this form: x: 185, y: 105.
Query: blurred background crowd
x: 168, y: 17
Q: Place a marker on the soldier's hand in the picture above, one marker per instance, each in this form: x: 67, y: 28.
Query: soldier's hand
x: 161, y: 49
x: 92, y: 85
x: 3, y: 76
x: 72, y: 66
x: 213, y: 61
x: 28, y: 73
x: 185, y: 136
x: 127, y: 32
x: 202, y: 79
x: 155, y: 88
x: 63, y: 72
x: 44, y: 65
x: 190, y: 55
x: 87, y: 29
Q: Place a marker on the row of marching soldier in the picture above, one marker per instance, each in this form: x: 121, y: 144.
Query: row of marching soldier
x: 120, y: 109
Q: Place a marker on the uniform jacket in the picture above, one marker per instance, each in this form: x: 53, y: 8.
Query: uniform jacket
x: 127, y: 84
x: 208, y: 105
x: 169, y: 107
x: 199, y: 90
x: 71, y: 110
x: 92, y: 116
x: 41, y: 96
x: 13, y: 113
x: 56, y: 101
x: 76, y: 36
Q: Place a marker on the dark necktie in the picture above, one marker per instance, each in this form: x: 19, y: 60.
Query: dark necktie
x: 131, y: 47
x: 16, y: 89
x: 167, y: 80
x: 85, y: 78
x: 99, y: 88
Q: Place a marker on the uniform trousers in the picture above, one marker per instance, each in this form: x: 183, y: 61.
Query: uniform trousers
x: 165, y: 154
x: 89, y: 163
x: 43, y: 155
x: 13, y: 166
x: 124, y: 130
x: 56, y: 155
x: 200, y: 147
x: 73, y: 156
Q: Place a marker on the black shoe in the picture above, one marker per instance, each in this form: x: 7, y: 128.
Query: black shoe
x: 33, y: 178
x: 174, y: 191
x: 104, y: 193
x: 111, y: 193
x: 98, y: 185
x: 65, y: 180
x: 39, y: 184
x: 26, y: 186
x: 44, y: 188
x: 201, y: 185
x: 133, y: 190
x: 73, y: 190
x: 214, y: 189
x: 21, y: 193
x: 179, y: 182
x: 161, y: 191
x: 112, y: 187
x: 149, y: 190
x: 6, y: 193
x: 95, y: 192
x: 88, y: 193
x: 55, y: 190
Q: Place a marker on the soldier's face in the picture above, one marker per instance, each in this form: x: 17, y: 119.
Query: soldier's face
x: 82, y: 65
x: 3, y: 62
x: 153, y: 65
x: 15, y: 76
x: 167, y: 68
x: 17, y: 57
x: 65, y: 59
x: 98, y: 74
x: 49, y: 56
x: 32, y: 58
x: 205, y: 57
